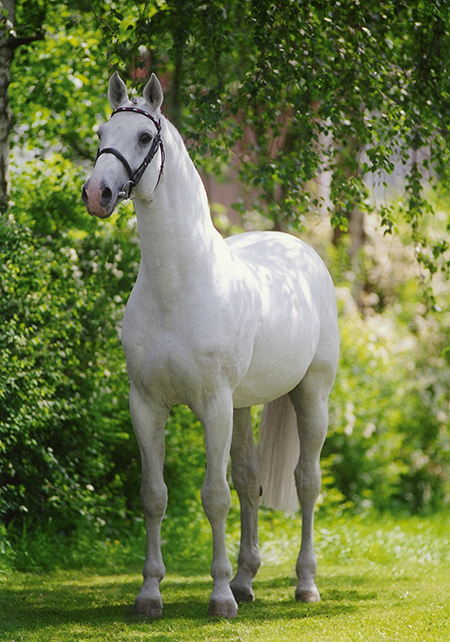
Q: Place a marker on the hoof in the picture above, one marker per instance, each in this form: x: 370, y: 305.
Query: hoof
x: 307, y: 595
x: 222, y: 609
x: 149, y: 607
x: 242, y: 594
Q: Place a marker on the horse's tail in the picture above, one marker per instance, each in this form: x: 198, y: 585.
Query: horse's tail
x: 279, y: 449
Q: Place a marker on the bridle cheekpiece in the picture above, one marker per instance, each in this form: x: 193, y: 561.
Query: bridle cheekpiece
x: 136, y: 176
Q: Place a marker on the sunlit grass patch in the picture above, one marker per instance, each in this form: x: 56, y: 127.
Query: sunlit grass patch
x: 381, y: 578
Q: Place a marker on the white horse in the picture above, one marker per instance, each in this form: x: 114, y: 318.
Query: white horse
x: 218, y: 325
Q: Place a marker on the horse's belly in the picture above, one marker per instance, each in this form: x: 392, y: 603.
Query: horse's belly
x: 254, y: 393
x: 279, y: 363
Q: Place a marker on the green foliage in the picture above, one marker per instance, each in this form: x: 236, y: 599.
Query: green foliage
x: 55, y: 79
x: 48, y: 390
x: 282, y: 90
x: 63, y: 386
x: 184, y: 473
x: 388, y: 445
x: 46, y: 198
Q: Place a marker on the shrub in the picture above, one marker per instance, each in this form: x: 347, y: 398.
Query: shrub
x: 388, y: 444
x: 51, y: 381
x: 64, y: 421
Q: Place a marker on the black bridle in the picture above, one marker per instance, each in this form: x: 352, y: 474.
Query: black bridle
x: 136, y: 176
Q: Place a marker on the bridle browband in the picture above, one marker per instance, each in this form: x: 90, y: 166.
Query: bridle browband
x: 136, y: 176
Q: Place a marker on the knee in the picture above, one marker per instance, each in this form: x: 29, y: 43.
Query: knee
x: 154, y: 500
x: 215, y: 498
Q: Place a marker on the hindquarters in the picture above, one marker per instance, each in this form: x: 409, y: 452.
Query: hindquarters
x: 294, y: 426
x: 292, y: 370
x: 286, y: 423
x: 292, y: 304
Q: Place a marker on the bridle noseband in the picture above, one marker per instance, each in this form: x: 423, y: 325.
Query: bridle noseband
x: 136, y: 176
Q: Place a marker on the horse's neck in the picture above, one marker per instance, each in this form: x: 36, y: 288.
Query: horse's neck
x: 179, y: 244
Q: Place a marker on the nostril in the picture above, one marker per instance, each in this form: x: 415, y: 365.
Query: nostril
x: 106, y: 196
x: 84, y: 195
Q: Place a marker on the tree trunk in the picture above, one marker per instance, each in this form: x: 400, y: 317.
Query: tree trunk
x: 7, y: 46
x: 347, y: 167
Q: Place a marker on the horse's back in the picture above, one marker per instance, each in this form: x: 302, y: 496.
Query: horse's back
x: 278, y: 251
x: 288, y: 273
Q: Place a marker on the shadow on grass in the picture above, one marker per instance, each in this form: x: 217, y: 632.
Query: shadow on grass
x: 328, y: 588
x: 102, y: 602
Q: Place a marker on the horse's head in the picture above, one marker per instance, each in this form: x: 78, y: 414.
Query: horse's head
x: 128, y: 143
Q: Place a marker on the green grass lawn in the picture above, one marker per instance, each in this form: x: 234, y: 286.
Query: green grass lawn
x: 380, y: 579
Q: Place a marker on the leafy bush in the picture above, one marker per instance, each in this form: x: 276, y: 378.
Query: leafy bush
x: 52, y: 457
x: 389, y: 444
x: 64, y: 421
x: 69, y: 461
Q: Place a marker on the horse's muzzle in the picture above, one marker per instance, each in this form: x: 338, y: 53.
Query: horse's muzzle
x: 100, y: 200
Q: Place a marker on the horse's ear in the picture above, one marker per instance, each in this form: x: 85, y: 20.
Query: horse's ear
x: 153, y: 93
x: 117, y: 91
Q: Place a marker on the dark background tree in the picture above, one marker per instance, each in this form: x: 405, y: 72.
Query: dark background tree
x: 374, y: 77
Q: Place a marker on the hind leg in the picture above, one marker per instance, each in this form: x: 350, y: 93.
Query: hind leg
x: 310, y: 400
x: 245, y: 473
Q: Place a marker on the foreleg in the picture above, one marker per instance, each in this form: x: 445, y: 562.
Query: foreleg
x: 149, y: 420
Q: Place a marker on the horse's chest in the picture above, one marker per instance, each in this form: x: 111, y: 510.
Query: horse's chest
x: 178, y: 357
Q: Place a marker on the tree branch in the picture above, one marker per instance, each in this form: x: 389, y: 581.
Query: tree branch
x: 14, y: 42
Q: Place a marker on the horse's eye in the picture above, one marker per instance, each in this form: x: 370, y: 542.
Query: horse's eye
x: 145, y: 139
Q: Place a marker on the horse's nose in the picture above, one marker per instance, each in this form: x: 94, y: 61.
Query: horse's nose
x: 100, y: 199
x: 106, y: 195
